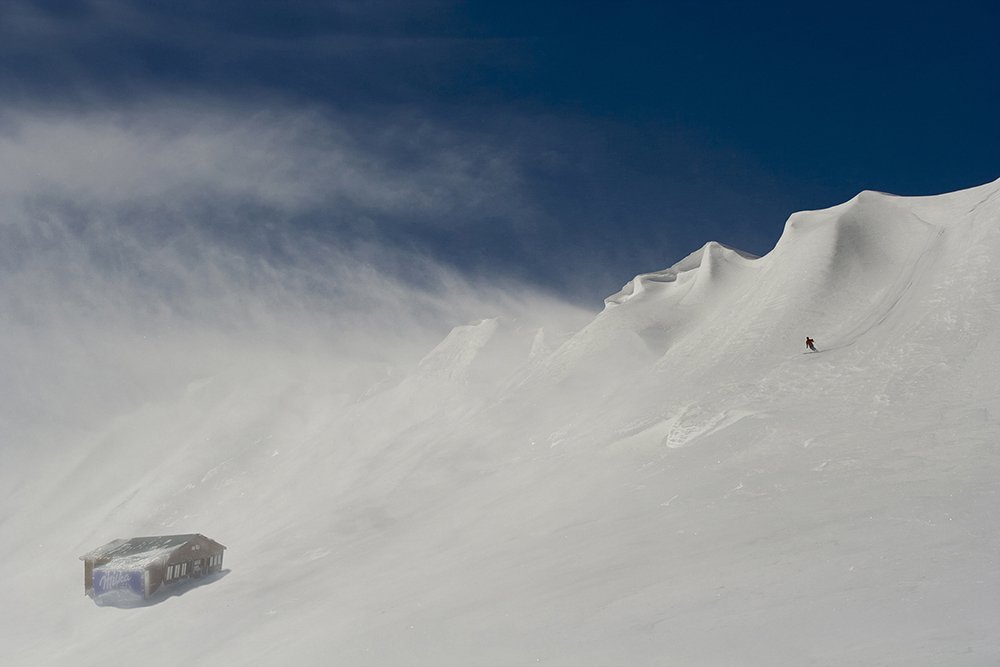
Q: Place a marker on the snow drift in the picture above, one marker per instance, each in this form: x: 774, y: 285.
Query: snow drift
x: 674, y: 482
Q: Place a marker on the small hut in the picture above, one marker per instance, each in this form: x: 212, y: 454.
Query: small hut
x: 141, y: 565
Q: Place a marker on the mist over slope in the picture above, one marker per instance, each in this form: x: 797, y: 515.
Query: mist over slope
x: 671, y: 480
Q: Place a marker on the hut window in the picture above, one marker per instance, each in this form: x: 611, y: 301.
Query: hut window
x: 170, y: 572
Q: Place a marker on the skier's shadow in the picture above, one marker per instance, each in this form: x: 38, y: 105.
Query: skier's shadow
x: 129, y: 600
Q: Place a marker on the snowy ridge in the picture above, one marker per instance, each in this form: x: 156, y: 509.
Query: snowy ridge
x: 699, y: 267
x: 454, y: 356
x: 485, y: 352
x: 677, y: 481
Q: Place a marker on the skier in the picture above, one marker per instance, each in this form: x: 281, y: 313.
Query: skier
x: 809, y: 344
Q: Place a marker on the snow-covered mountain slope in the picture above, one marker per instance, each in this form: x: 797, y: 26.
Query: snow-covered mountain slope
x: 676, y: 482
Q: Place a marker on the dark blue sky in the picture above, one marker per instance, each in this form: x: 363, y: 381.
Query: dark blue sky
x: 636, y: 130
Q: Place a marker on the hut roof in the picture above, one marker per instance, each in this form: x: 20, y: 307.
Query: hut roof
x: 141, y: 550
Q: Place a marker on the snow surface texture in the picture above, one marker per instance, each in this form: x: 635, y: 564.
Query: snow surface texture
x: 676, y: 482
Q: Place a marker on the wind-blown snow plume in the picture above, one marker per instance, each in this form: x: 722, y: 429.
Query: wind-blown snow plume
x: 152, y: 244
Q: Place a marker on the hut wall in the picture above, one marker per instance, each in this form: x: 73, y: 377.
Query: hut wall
x: 197, y: 554
x: 155, y: 573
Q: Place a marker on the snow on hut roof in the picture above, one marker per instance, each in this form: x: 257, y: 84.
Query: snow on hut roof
x: 141, y: 550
